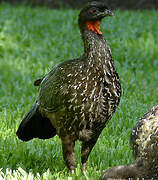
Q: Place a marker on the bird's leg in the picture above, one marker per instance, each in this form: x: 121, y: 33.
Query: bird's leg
x: 86, y: 149
x: 68, y: 152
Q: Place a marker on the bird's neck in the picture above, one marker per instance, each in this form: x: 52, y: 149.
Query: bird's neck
x: 95, y: 46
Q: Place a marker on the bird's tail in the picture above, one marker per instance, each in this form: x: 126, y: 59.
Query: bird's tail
x: 35, y: 126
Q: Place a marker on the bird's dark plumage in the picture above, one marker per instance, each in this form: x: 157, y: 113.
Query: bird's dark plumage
x: 144, y: 143
x: 35, y: 126
x: 79, y: 96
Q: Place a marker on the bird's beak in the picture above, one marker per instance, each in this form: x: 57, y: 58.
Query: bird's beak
x: 109, y: 13
x: 106, y: 13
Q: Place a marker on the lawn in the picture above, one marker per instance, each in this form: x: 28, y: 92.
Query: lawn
x: 32, y: 41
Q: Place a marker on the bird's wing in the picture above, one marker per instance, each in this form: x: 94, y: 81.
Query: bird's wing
x: 38, y: 81
x: 54, y: 91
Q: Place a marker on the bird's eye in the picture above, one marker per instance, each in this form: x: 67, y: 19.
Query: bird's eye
x: 93, y: 11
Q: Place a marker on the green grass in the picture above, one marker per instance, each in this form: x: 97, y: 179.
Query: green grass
x: 32, y: 41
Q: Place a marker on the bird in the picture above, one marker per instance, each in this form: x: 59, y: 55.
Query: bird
x: 78, y: 97
x: 144, y: 144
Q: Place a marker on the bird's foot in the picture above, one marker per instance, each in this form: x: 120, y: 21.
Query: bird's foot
x: 84, y: 167
x: 72, y: 171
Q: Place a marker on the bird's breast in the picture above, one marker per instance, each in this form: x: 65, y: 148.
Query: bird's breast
x: 93, y: 94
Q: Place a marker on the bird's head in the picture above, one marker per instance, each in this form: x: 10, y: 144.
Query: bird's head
x: 92, y: 14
